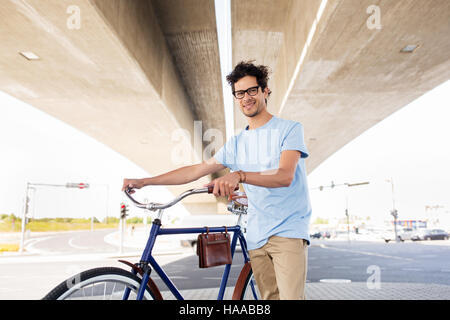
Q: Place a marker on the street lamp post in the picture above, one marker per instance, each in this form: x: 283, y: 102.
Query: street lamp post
x: 346, y: 198
x: 348, y: 217
x: 346, y: 209
x: 24, y: 217
x: 27, y: 203
x: 394, y: 212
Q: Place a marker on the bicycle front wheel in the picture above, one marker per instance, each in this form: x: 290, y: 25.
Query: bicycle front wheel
x: 100, y: 284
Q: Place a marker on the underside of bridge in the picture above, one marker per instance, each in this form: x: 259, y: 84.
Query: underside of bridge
x: 136, y: 75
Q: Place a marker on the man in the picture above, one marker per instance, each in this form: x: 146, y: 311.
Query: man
x: 268, y: 158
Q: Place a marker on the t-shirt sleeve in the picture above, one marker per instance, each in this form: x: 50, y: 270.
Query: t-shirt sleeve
x: 294, y: 140
x: 227, y: 154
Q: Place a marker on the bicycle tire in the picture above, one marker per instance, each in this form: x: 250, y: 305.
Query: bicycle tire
x: 75, y: 287
x: 246, y: 288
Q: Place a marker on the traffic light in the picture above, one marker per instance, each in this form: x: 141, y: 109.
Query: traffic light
x: 27, y: 205
x: 123, y: 211
x: 394, y: 213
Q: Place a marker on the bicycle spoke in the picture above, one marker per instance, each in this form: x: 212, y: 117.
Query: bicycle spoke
x: 253, y: 287
x: 112, y: 293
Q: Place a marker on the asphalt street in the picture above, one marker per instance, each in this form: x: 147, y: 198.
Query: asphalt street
x: 412, y: 262
x: 55, y: 257
x: 408, y: 262
x: 73, y: 242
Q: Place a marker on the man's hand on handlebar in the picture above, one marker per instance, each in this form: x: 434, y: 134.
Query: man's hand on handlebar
x: 221, y: 187
x: 132, y: 184
x: 226, y: 185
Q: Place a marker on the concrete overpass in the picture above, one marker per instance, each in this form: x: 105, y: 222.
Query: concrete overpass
x: 136, y: 74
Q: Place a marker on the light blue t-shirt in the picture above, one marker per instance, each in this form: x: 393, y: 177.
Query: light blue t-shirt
x: 284, y: 211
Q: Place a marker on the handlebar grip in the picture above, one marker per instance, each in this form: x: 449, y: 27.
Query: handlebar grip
x: 211, y: 188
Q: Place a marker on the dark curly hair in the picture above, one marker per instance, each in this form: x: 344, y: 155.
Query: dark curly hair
x: 247, y: 68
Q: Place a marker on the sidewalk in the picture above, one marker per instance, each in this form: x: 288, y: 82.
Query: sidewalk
x: 343, y: 291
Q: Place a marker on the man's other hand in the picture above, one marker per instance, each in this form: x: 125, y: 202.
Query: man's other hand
x: 132, y: 184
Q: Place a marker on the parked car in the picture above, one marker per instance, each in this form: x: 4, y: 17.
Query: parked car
x: 389, y: 235
x: 321, y: 234
x: 316, y: 235
x: 430, y: 234
x: 402, y: 234
x: 326, y: 234
x: 406, y: 234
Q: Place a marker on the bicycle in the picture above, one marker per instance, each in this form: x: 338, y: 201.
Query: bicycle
x: 116, y: 283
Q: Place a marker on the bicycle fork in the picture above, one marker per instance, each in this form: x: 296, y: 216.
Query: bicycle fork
x: 143, y: 267
x: 145, y: 278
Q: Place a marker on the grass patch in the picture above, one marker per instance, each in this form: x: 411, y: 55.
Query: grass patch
x: 9, y: 247
x: 10, y: 223
x: 44, y: 226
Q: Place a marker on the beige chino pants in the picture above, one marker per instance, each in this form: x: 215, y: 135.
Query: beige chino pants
x: 279, y: 268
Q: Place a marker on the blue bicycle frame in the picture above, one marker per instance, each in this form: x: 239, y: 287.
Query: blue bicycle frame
x: 148, y: 259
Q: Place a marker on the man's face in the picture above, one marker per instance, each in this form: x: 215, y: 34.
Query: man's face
x: 251, y: 105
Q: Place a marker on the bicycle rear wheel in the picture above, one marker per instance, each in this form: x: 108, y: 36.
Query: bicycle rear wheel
x: 246, y: 287
x: 99, y: 284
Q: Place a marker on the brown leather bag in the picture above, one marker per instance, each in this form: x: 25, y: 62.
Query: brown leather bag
x: 213, y: 249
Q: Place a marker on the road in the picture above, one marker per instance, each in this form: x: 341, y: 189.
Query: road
x: 51, y: 258
x: 413, y: 262
x: 409, y: 262
x: 74, y: 242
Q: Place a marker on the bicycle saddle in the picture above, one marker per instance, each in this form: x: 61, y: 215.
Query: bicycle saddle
x: 240, y: 199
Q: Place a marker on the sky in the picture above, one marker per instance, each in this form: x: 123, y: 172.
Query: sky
x: 40, y: 149
x: 411, y: 147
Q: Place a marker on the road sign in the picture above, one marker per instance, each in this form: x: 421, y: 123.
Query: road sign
x: 77, y: 185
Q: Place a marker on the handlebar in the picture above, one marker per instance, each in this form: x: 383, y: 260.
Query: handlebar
x: 152, y: 206
x: 237, y: 206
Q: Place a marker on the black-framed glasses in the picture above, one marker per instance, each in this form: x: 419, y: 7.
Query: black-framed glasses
x: 253, y: 91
